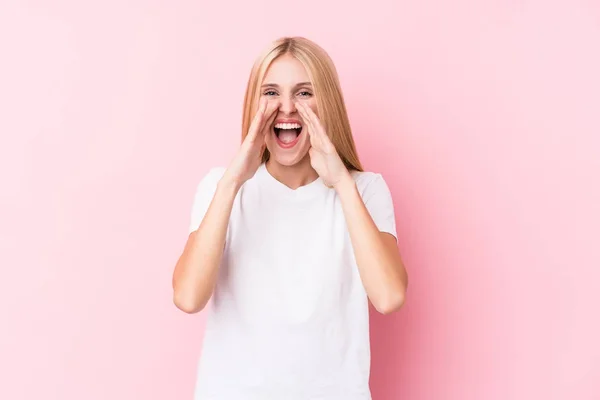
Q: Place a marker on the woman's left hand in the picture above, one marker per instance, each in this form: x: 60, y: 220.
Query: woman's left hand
x: 323, y: 155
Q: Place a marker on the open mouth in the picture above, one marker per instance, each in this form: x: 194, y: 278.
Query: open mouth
x: 287, y: 133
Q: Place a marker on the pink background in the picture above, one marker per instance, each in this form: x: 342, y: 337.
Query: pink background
x: 482, y: 115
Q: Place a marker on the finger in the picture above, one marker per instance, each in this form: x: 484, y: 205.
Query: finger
x: 271, y: 113
x: 305, y: 117
x: 302, y: 111
x: 322, y: 138
x: 258, y: 119
x: 313, y: 118
x: 267, y: 121
x: 313, y: 130
x: 262, y: 108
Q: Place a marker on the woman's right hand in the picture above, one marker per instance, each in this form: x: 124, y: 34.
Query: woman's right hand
x: 249, y: 157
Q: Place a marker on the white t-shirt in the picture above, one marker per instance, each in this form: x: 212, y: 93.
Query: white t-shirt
x: 289, y: 317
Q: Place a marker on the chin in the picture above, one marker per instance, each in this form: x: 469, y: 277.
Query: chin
x: 287, y: 158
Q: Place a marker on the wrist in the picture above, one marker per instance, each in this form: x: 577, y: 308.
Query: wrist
x: 229, y: 184
x: 345, y: 184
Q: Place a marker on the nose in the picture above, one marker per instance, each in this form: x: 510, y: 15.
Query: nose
x: 287, y: 106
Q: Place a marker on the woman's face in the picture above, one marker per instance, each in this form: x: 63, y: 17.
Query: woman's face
x: 287, y: 82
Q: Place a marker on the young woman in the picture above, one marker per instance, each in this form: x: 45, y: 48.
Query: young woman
x: 290, y: 242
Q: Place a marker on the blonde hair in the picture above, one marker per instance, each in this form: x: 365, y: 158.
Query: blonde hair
x: 323, y: 75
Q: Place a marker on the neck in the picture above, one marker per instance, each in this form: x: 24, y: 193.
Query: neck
x: 293, y: 176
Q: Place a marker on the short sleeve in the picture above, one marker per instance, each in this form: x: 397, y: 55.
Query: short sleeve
x: 205, y: 191
x: 378, y: 201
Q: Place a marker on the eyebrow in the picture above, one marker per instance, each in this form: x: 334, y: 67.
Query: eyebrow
x: 276, y: 85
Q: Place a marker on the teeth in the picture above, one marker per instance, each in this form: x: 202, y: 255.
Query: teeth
x: 288, y: 126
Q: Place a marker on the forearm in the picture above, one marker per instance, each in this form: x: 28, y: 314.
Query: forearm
x: 196, y: 270
x: 379, y: 263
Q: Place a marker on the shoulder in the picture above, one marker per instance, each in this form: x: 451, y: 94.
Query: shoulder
x: 369, y: 180
x: 206, y: 186
x: 206, y: 182
x: 210, y: 176
x: 214, y: 173
x: 377, y: 198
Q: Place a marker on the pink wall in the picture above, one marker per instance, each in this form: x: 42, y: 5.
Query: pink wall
x: 482, y: 115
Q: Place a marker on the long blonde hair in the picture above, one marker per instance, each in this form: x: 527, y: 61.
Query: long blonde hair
x: 323, y: 75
